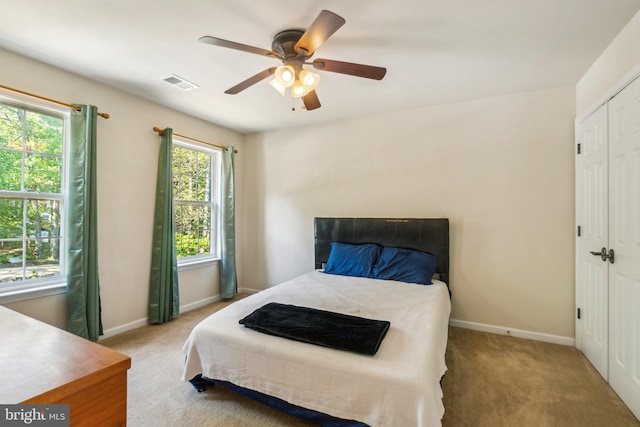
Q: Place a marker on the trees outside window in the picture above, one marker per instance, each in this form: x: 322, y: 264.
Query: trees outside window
x: 32, y: 145
x: 196, y: 180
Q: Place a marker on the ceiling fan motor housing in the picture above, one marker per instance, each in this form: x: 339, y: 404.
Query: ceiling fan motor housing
x: 284, y: 42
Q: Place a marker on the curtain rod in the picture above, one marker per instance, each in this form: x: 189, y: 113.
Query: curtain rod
x: 73, y: 107
x: 161, y: 132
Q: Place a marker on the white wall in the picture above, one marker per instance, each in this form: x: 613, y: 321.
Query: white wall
x: 500, y: 169
x: 616, y: 66
x: 127, y: 166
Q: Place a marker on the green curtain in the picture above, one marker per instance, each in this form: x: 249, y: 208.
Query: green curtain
x: 228, y: 278
x: 164, y: 296
x: 83, y: 288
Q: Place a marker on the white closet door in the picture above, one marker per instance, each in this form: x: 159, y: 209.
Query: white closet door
x: 624, y: 239
x: 592, y: 216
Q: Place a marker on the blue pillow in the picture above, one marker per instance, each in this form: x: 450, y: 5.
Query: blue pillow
x: 352, y: 260
x: 405, y: 265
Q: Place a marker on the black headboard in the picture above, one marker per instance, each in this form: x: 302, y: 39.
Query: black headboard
x: 423, y: 234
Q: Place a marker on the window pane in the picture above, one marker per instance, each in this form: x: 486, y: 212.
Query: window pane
x: 203, y: 229
x: 193, y: 230
x: 204, y: 218
x: 202, y: 177
x: 181, y: 213
x: 11, y: 215
x: 180, y: 178
x: 11, y: 176
x: 43, y: 218
x: 181, y: 187
x: 43, y: 174
x: 179, y: 245
x: 10, y: 261
x: 42, y: 258
x: 44, y: 133
x: 177, y: 217
x: 186, y: 245
x: 191, y: 244
x: 11, y: 127
x: 11, y: 124
x: 191, y: 175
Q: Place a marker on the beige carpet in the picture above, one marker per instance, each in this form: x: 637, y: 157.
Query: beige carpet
x: 492, y: 381
x: 495, y: 380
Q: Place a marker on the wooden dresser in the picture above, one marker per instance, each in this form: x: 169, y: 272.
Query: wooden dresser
x: 41, y: 364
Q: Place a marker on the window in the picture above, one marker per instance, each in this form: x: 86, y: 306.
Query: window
x: 32, y: 195
x: 196, y: 182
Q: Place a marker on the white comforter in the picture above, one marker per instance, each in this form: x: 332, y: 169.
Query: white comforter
x: 399, y: 386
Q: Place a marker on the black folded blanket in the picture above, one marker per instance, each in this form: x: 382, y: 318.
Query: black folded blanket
x: 320, y: 327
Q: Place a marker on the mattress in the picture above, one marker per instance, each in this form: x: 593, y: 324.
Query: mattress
x: 399, y: 385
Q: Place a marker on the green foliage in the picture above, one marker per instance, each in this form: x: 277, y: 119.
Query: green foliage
x: 9, y: 251
x: 31, y: 147
x: 188, y: 244
x: 11, y: 214
x: 11, y: 176
x: 191, y: 171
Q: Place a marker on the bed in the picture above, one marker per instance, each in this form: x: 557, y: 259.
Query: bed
x: 399, y: 385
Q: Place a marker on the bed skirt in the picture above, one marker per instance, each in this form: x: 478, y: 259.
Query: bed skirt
x: 322, y: 419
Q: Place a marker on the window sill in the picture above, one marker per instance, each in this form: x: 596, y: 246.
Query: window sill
x: 60, y: 286
x: 189, y: 264
x: 33, y: 291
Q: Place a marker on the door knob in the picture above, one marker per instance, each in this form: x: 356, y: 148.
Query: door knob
x: 604, y: 255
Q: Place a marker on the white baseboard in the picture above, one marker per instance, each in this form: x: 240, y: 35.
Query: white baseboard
x: 145, y: 321
x: 248, y: 291
x: 198, y: 304
x: 519, y: 333
x: 124, y: 328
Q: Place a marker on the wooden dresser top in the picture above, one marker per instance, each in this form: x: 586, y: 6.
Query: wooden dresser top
x: 38, y: 360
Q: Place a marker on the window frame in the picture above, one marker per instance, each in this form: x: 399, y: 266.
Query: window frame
x: 195, y: 261
x: 51, y: 285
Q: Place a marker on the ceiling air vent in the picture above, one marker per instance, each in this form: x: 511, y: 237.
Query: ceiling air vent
x: 178, y: 81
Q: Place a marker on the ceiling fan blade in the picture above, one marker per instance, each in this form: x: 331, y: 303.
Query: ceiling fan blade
x: 311, y: 101
x: 320, y: 30
x: 358, y: 70
x: 237, y: 46
x: 250, y: 81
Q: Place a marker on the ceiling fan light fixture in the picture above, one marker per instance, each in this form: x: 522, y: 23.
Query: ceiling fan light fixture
x: 285, y: 75
x: 277, y: 86
x: 298, y: 89
x: 309, y: 80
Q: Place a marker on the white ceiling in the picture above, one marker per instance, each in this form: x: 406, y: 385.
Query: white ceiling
x: 435, y: 51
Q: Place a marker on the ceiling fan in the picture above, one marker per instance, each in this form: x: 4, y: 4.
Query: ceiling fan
x: 294, y: 47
